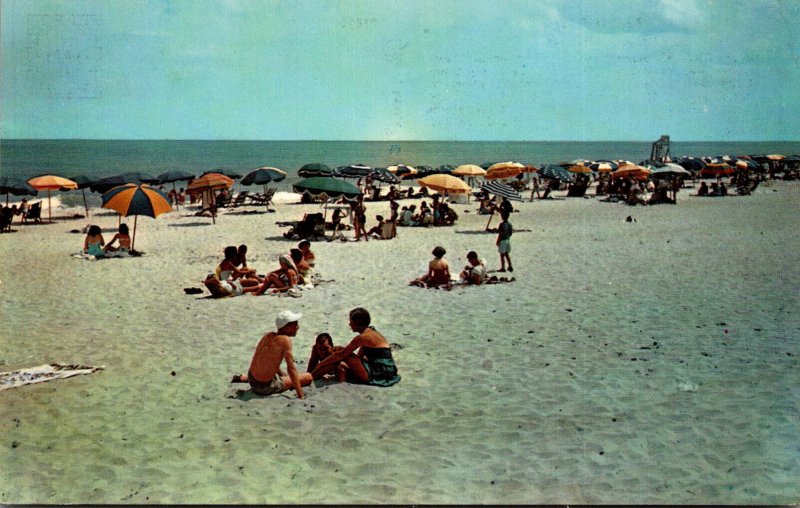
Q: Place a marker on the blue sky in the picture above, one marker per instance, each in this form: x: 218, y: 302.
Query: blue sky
x: 401, y: 70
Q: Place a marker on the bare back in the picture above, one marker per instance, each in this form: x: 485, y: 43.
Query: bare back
x: 270, y: 352
x: 438, y: 271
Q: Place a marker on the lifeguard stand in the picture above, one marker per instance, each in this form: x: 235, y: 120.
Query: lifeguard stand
x: 660, y: 150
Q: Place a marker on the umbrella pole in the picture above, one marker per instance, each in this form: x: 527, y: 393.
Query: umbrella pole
x: 490, y: 220
x: 49, y: 208
x: 133, y: 240
x: 176, y: 194
x: 83, y: 191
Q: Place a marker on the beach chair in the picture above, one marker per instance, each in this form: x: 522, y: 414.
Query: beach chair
x: 312, y: 226
x: 239, y: 200
x: 34, y: 212
x: 387, y: 231
x: 223, y: 201
x: 262, y: 199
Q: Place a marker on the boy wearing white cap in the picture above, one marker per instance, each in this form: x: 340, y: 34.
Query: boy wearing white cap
x: 265, y: 375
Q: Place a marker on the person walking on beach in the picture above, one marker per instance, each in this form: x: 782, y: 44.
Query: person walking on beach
x: 265, y: 375
x: 504, y: 232
x: 373, y: 364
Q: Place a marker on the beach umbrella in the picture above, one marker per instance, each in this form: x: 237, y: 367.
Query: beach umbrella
x: 83, y: 182
x: 108, y: 183
x: 314, y: 169
x: 603, y: 166
x: 530, y: 169
x: 668, y: 169
x: 263, y: 176
x: 230, y: 173
x: 50, y: 183
x: 503, y: 170
x: 445, y: 183
x: 631, y: 171
x: 471, y: 170
x: 555, y: 172
x: 136, y: 199
x: 716, y: 169
x: 173, y: 177
x: 353, y: 171
x: 383, y: 175
x: 501, y: 189
x: 328, y: 187
x: 207, y: 184
x: 16, y: 186
x: 444, y: 169
x: 748, y: 164
x: 402, y: 170
x: 579, y: 169
x: 691, y: 163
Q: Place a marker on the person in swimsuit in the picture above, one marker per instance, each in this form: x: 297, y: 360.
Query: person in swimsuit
x: 265, y: 375
x: 124, y: 239
x: 303, y: 268
x: 305, y: 247
x: 323, y: 348
x: 367, y: 359
x: 438, y: 271
x: 93, y: 244
x: 282, y: 279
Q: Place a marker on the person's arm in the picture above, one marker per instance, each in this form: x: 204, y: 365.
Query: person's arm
x: 314, y: 360
x: 86, y: 244
x: 336, y: 357
x: 292, y: 370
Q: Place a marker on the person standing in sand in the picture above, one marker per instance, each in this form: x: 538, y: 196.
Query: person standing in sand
x: 265, y: 375
x: 373, y: 364
x: 504, y: 232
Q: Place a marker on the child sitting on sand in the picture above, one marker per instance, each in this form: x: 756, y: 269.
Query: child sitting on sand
x: 438, y: 271
x: 124, y: 239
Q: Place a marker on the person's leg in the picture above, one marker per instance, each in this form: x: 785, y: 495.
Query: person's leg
x: 305, y: 380
x: 355, y: 369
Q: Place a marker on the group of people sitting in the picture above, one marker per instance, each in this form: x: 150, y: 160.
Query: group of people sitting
x: 94, y: 244
x: 367, y: 359
x: 233, y: 277
x: 438, y: 274
x: 7, y: 214
x: 438, y: 213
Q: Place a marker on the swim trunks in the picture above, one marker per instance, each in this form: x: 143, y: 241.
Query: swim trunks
x: 504, y: 247
x: 261, y: 388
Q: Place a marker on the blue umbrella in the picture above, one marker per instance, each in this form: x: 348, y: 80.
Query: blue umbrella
x: 106, y: 184
x: 556, y: 172
x: 501, y: 189
x: 15, y: 186
x: 262, y: 176
x: 353, y: 171
x: 136, y: 199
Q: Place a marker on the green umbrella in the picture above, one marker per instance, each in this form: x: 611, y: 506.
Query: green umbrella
x: 331, y: 187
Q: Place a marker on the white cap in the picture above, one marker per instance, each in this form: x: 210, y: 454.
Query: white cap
x: 286, y: 317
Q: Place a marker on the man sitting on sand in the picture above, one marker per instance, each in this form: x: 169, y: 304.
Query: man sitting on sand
x: 373, y: 364
x: 265, y: 375
x: 475, y: 271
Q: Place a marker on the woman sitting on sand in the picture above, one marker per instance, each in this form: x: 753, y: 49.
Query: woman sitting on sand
x: 372, y: 364
x: 438, y: 272
x: 282, y: 279
x: 303, y: 268
x: 93, y: 244
x: 227, y: 269
x: 124, y: 239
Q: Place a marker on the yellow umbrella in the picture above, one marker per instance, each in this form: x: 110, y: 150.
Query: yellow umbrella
x: 445, y: 183
x: 469, y: 170
x: 51, y: 182
x: 504, y: 170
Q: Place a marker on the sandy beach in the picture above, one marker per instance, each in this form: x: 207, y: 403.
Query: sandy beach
x: 651, y: 361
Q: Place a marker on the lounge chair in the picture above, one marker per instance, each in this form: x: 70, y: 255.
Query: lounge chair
x: 262, y: 199
x: 223, y: 200
x: 239, y: 200
x: 34, y: 212
x: 312, y: 226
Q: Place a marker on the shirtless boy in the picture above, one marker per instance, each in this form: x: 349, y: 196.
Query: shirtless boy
x: 265, y: 375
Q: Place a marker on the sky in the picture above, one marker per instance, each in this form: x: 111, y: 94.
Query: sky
x: 558, y: 70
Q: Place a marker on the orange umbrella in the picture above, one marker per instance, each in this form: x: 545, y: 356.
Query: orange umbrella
x: 51, y: 182
x: 445, y: 183
x: 132, y: 199
x: 530, y: 169
x: 209, y: 183
x: 631, y: 171
x: 504, y: 170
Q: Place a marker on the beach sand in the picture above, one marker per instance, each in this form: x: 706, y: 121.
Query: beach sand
x: 652, y: 361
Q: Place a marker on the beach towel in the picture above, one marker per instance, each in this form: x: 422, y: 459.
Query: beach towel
x: 42, y: 373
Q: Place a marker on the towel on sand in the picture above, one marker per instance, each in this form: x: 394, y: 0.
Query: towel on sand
x: 42, y: 373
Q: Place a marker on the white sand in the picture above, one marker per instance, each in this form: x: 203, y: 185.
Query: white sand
x: 653, y: 361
